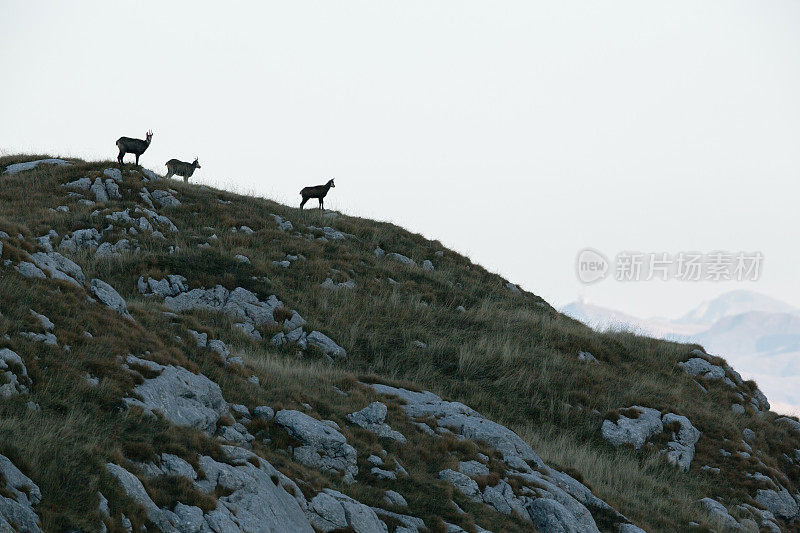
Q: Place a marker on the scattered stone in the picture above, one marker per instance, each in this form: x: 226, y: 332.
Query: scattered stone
x: 242, y: 259
x: 587, y: 357
x: 249, y: 330
x: 283, y: 225
x: 419, y: 344
x: 427, y: 266
x: 329, y: 284
x: 46, y: 338
x: 400, y: 258
x: 80, y: 184
x: 81, y: 239
x: 172, y: 285
x: 326, y: 344
x: 107, y: 249
x: 738, y: 409
x: 165, y: 198
x: 330, y: 233
x: 278, y: 340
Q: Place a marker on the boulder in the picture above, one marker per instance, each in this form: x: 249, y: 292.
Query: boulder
x: 372, y: 418
x: 80, y: 184
x: 183, y: 398
x: 394, y: 499
x: 633, y: 431
x: 109, y: 297
x: 113, y: 173
x: 331, y: 510
x: 702, y: 368
x: 719, y: 513
x: 463, y: 483
x: 323, y: 447
x: 680, y: 450
x: 59, y: 267
x: 781, y: 504
x: 549, y: 516
x: 326, y: 344
x: 473, y: 468
x: 400, y: 258
x: 29, y: 270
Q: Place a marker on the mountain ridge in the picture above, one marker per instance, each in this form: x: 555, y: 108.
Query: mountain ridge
x: 184, y: 358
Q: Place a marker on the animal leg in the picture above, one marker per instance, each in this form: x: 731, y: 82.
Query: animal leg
x: 321, y: 206
x: 137, y: 160
x: 303, y: 202
x: 120, y: 156
x: 186, y: 179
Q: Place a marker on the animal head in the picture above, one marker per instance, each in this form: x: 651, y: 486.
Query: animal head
x: 196, y: 163
x: 149, y: 136
x: 330, y: 183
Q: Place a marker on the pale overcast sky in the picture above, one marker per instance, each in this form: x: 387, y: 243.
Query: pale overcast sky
x: 516, y: 132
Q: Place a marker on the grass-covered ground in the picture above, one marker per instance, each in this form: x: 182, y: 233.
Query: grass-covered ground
x: 509, y: 355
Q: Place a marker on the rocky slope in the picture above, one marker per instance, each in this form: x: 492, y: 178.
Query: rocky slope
x: 179, y: 358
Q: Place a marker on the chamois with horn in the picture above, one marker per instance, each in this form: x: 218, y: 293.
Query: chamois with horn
x: 127, y: 145
x: 317, y: 191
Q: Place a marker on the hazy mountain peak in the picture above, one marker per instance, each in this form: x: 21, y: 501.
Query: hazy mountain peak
x: 734, y: 303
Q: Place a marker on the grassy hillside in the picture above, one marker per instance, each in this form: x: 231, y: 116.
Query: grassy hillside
x: 507, y: 354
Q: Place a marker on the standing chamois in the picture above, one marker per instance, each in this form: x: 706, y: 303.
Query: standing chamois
x: 181, y: 168
x: 317, y: 191
x: 137, y: 147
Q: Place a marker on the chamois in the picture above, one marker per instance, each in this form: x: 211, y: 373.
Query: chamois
x: 317, y: 191
x: 181, y: 168
x: 137, y: 147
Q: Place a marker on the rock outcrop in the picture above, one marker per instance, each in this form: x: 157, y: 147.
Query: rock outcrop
x: 18, y: 497
x: 644, y: 423
x: 239, y: 304
x: 322, y: 446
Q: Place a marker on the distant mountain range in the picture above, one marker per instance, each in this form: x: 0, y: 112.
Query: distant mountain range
x: 757, y: 334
